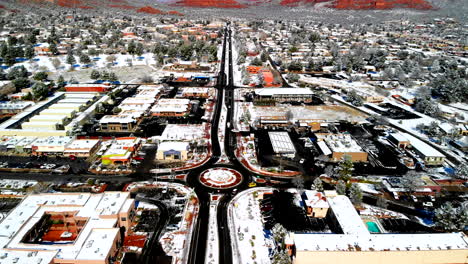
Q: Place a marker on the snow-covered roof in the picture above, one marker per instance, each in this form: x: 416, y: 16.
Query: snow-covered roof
x: 340, y: 142
x: 380, y: 242
x: 100, y: 230
x: 316, y: 199
x: 283, y: 91
x: 422, y: 147
x: 170, y: 145
x: 347, y: 217
x: 281, y: 143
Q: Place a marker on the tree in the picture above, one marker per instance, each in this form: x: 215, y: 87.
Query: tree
x: 462, y: 171
x: 427, y: 107
x: 113, y: 77
x: 341, y: 187
x: 345, y: 168
x: 256, y: 62
x: 292, y: 77
x: 56, y: 63
x: 29, y: 52
x: 39, y: 91
x: 17, y: 72
x: 21, y: 83
x: 318, y: 184
x: 354, y: 98
x: 131, y: 48
x: 84, y: 59
x: 411, y: 181
x: 111, y: 59
x: 295, y: 66
x: 281, y: 257
x: 70, y: 58
x: 355, y: 194
x: 60, y: 82
x: 451, y: 218
x: 41, y: 76
x: 147, y: 79
x: 263, y: 57
x: 53, y: 49
x: 95, y: 75
x: 298, y: 182
x: 139, y: 49
x: 279, y: 234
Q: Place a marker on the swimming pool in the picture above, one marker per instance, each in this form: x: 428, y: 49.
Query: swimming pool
x: 373, y: 227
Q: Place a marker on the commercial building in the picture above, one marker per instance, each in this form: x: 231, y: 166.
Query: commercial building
x: 79, y: 228
x: 86, y: 88
x: 282, y: 144
x: 340, y: 145
x: 171, y: 107
x: 357, y: 245
x: 428, y: 154
x: 285, y: 94
x: 82, y: 147
x: 14, y: 107
x: 173, y: 151
x: 50, y: 145
x: 120, y: 150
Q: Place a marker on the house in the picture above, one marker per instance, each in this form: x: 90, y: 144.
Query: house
x: 315, y: 203
x: 171, y: 150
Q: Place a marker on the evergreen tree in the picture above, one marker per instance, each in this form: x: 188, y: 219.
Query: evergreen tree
x: 318, y: 184
x: 341, y: 187
x: 95, y: 75
x: 131, y: 48
x: 39, y: 91
x: 345, y: 168
x: 451, y: 218
x: 70, y: 58
x: 3, y: 50
x: 113, y: 77
x: 355, y: 194
x: 60, y: 82
x: 84, y: 59
x: 139, y: 49
x: 29, y: 52
x: 53, y: 49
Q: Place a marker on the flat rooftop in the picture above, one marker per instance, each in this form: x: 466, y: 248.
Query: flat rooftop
x: 281, y: 143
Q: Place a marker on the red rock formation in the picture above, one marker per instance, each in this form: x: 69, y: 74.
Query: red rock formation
x: 150, y: 10
x: 210, y: 3
x: 175, y: 13
x: 381, y: 4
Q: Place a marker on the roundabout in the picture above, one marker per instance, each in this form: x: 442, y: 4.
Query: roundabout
x: 220, y: 178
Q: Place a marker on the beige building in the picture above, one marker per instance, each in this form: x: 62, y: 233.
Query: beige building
x: 339, y: 145
x: 358, y: 245
x: 315, y: 203
x: 66, y: 228
x: 172, y: 151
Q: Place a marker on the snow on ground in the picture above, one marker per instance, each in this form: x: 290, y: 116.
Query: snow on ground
x: 98, y: 62
x: 212, y: 249
x: 246, y: 228
x: 222, y: 130
x: 237, y: 68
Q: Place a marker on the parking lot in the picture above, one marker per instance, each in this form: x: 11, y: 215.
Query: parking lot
x: 77, y: 165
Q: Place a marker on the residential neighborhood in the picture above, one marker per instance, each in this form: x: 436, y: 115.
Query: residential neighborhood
x: 153, y: 137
